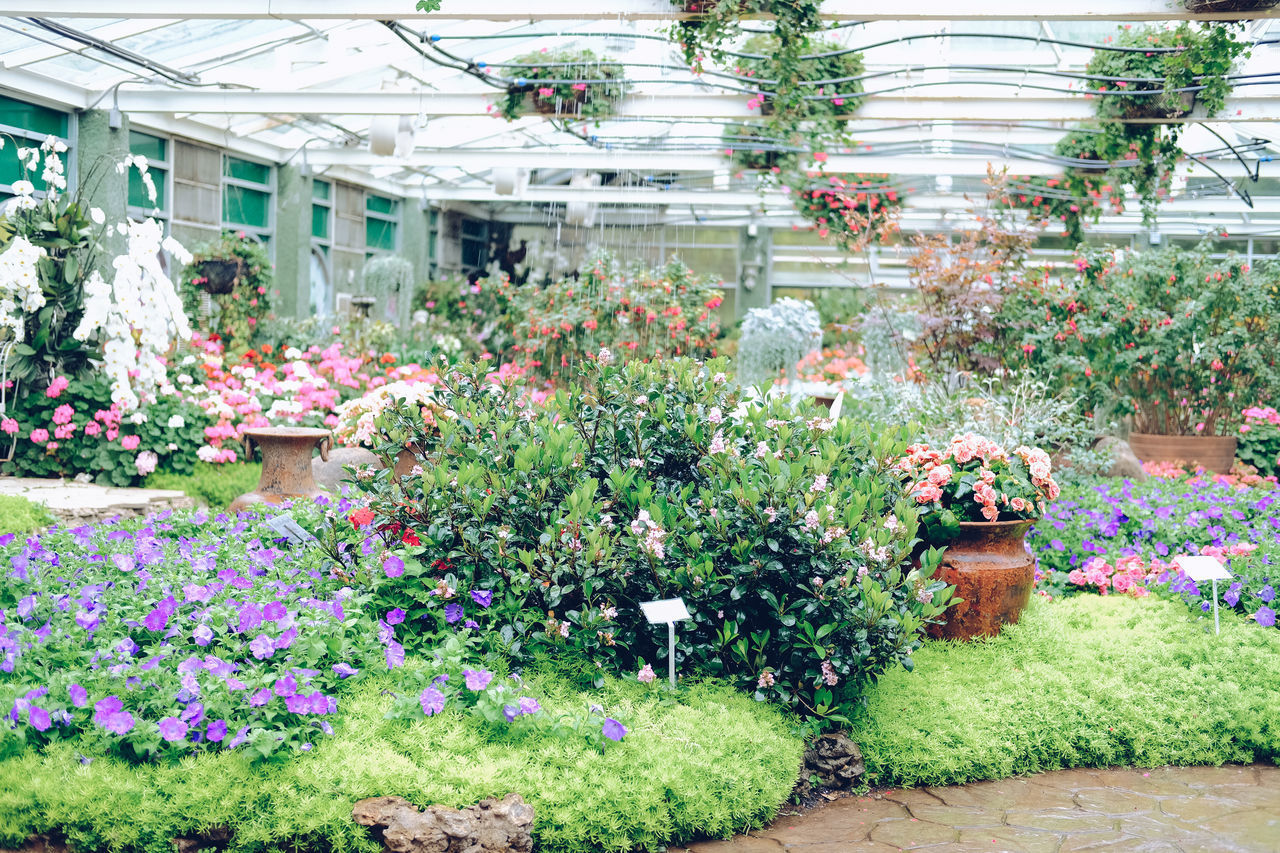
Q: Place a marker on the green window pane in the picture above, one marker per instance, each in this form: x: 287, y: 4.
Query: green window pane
x: 243, y: 206
x: 138, y: 191
x: 31, y: 117
x: 321, y: 189
x: 11, y: 170
x: 233, y: 167
x: 379, y: 204
x: 380, y: 234
x: 320, y: 221
x: 153, y: 148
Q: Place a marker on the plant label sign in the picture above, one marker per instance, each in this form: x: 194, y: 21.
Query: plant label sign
x: 670, y: 611
x: 289, y: 530
x: 1201, y: 568
x: 666, y: 611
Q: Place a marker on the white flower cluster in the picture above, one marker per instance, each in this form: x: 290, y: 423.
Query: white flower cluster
x: 20, y: 291
x: 140, y: 313
x: 140, y: 163
x: 357, y: 418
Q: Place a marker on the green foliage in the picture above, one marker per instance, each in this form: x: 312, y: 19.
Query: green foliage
x: 213, y: 485
x: 21, y: 516
x: 786, y: 534
x: 713, y: 23
x: 390, y: 279
x: 237, y: 314
x: 1081, y: 682
x: 575, y: 84
x: 1259, y: 443
x: 101, y: 442
x: 1173, y: 337
x: 711, y: 763
x: 776, y: 338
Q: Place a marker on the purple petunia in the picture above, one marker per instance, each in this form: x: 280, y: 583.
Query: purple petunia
x: 432, y: 701
x: 395, y: 655
x: 262, y: 647
x: 79, y: 696
x: 202, y: 635
x: 483, y: 597
x: 216, y: 731
x: 613, y: 729
x: 1266, y: 617
x: 120, y: 722
x: 38, y: 718
x: 477, y: 679
x: 274, y: 612
x: 241, y: 737
x: 395, y: 617
x: 452, y: 613
x: 344, y: 670
x: 529, y: 705
x: 1267, y: 594
x: 393, y: 566
x: 286, y: 686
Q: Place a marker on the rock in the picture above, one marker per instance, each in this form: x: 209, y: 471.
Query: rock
x: 835, y: 760
x: 1124, y: 462
x: 492, y: 826
x: 329, y: 475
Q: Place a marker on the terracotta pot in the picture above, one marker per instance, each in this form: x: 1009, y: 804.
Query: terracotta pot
x: 1209, y: 7
x: 989, y: 565
x: 824, y: 400
x: 286, y: 464
x: 405, y: 462
x: 1214, y: 453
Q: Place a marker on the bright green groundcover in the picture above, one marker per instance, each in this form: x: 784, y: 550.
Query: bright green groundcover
x: 711, y: 764
x: 1080, y: 682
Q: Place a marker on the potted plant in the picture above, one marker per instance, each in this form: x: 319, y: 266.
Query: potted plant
x: 218, y: 275
x: 776, y: 338
x: 979, y: 500
x: 851, y: 210
x: 1214, y: 7
x: 576, y: 84
x: 1174, y: 339
x: 235, y: 272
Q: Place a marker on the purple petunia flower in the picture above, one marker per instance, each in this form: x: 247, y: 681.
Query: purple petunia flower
x: 216, y: 731
x: 274, y: 612
x: 395, y: 655
x: 79, y: 696
x: 157, y: 619
x: 483, y: 597
x: 395, y: 617
x: 203, y: 635
x: 262, y: 647
x: 393, y: 566
x: 529, y: 705
x: 432, y: 701
x: 471, y: 623
x: 1267, y: 594
x: 613, y: 729
x: 286, y: 686
x: 119, y: 722
x: 1266, y: 617
x: 344, y: 670
x: 452, y: 613
x: 477, y: 679
x: 241, y: 737
x: 38, y: 718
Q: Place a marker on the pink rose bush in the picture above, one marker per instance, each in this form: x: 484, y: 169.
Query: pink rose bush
x: 975, y: 479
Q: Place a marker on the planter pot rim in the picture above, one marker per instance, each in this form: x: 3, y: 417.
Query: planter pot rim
x: 991, y: 525
x: 287, y: 432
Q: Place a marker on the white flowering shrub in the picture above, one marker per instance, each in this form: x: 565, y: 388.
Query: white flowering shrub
x: 776, y: 338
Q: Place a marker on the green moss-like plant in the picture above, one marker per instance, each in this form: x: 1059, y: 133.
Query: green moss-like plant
x: 214, y: 485
x: 1081, y: 682
x: 21, y: 516
x: 711, y: 763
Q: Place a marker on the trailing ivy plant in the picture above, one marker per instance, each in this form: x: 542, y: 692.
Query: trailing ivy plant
x: 235, y: 315
x: 712, y: 23
x: 571, y: 83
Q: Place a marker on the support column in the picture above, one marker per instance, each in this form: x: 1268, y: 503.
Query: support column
x: 293, y: 242
x: 99, y: 147
x: 754, y: 290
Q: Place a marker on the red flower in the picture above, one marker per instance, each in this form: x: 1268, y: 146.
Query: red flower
x: 360, y: 517
x: 410, y: 538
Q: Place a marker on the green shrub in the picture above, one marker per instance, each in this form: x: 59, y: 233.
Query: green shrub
x: 785, y: 533
x: 1080, y: 682
x: 20, y: 516
x: 712, y: 763
x: 215, y: 485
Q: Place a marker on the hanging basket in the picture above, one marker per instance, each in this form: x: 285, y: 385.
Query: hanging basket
x: 557, y: 106
x: 1173, y: 105
x: 1211, y: 7
x: 220, y: 275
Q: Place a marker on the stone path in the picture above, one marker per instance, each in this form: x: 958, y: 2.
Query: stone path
x: 1229, y: 809
x: 85, y: 503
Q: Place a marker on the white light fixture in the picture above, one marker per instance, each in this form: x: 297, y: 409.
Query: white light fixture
x: 510, y: 181
x: 382, y: 135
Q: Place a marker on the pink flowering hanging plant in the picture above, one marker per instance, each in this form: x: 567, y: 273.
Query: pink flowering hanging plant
x: 973, y: 479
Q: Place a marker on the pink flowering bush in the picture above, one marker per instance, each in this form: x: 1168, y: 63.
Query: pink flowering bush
x: 75, y: 429
x: 975, y: 479
x: 786, y: 533
x: 1129, y: 575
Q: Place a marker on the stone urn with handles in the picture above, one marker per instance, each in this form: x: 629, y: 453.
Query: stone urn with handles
x: 286, y: 464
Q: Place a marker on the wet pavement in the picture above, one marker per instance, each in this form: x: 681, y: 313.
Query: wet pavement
x: 1230, y: 809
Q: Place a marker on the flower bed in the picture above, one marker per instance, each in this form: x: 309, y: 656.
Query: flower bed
x: 1134, y: 531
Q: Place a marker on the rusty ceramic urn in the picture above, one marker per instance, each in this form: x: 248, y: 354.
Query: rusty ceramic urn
x: 286, y: 464
x: 989, y: 565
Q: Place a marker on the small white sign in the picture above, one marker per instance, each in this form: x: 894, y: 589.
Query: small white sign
x: 1202, y: 568
x: 289, y: 530
x: 668, y: 610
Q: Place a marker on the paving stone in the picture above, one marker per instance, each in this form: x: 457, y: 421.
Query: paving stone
x: 1071, y: 780
x: 1257, y: 829
x: 1009, y: 839
x: 1213, y: 777
x: 1195, y: 809
x: 1060, y: 820
x: 1113, y: 801
x: 1115, y: 841
x: 957, y: 817
x: 1004, y: 794
x: 843, y: 847
x: 842, y: 820
x: 917, y: 796
x: 75, y: 503
x: 741, y: 844
x: 911, y: 834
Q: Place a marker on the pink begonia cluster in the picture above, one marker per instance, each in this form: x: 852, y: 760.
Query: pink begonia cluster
x: 297, y: 388
x: 104, y: 422
x: 937, y: 474
x: 1256, y: 415
x: 1132, y: 575
x: 1241, y: 476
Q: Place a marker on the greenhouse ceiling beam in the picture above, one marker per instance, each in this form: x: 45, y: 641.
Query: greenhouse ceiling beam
x: 986, y: 106
x: 521, y: 10
x: 676, y: 161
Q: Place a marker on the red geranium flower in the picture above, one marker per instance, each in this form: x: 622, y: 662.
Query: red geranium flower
x: 360, y: 517
x: 410, y: 538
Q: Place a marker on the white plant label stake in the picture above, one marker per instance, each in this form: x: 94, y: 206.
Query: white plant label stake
x: 671, y: 611
x: 1202, y: 568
